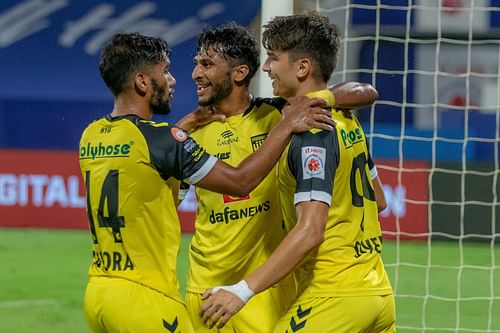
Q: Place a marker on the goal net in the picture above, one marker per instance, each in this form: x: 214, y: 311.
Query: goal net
x: 434, y: 135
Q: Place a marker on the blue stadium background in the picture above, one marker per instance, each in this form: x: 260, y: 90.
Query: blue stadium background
x: 50, y: 87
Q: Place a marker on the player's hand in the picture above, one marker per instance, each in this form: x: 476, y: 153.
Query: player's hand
x: 199, y: 117
x: 219, y: 306
x: 303, y: 113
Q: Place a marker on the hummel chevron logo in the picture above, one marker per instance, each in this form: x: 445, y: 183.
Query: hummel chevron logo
x: 171, y: 327
x: 296, y: 325
x: 302, y: 314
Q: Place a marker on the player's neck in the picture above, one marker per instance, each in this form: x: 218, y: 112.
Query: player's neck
x: 236, y: 103
x: 310, y: 86
x: 125, y: 105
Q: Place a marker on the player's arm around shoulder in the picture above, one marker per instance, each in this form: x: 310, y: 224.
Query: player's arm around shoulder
x: 199, y: 117
x: 302, y: 114
x: 353, y: 95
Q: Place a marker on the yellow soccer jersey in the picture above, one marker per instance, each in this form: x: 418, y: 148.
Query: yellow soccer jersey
x: 126, y: 163
x: 332, y: 167
x: 233, y: 236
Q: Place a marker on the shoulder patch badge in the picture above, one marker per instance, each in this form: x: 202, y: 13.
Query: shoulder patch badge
x: 313, y: 162
x: 178, y: 134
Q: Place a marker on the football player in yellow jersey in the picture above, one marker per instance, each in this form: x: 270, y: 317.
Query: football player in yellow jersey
x: 130, y: 165
x: 327, y: 199
x: 233, y: 236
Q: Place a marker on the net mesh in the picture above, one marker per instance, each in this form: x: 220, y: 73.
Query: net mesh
x: 434, y: 135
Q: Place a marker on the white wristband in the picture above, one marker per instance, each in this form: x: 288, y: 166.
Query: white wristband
x: 240, y: 289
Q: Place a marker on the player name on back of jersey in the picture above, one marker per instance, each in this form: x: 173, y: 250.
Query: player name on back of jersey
x: 102, y: 150
x: 114, y: 261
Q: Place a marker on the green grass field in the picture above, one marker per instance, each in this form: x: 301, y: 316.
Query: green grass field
x: 43, y: 276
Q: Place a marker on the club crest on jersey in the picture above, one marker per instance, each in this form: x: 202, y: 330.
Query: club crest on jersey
x: 257, y: 141
x: 228, y: 198
x: 313, y: 162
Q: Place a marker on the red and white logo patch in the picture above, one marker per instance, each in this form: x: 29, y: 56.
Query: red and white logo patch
x: 313, y: 162
x: 178, y: 134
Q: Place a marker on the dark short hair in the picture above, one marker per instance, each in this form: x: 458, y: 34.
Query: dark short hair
x: 235, y: 43
x: 308, y: 35
x: 126, y: 53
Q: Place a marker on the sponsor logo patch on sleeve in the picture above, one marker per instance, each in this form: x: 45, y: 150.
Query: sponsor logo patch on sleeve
x: 178, y: 134
x: 313, y: 162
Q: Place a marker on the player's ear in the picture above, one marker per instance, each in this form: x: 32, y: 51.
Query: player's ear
x: 304, y: 68
x: 141, y: 83
x: 240, y: 73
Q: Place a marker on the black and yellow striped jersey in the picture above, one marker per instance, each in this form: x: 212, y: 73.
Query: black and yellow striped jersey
x: 127, y: 164
x: 334, y: 167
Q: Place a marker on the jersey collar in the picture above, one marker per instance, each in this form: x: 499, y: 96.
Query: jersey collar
x: 326, y: 94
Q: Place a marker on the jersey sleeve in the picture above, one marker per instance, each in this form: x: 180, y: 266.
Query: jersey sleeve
x: 174, y: 153
x: 313, y: 160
